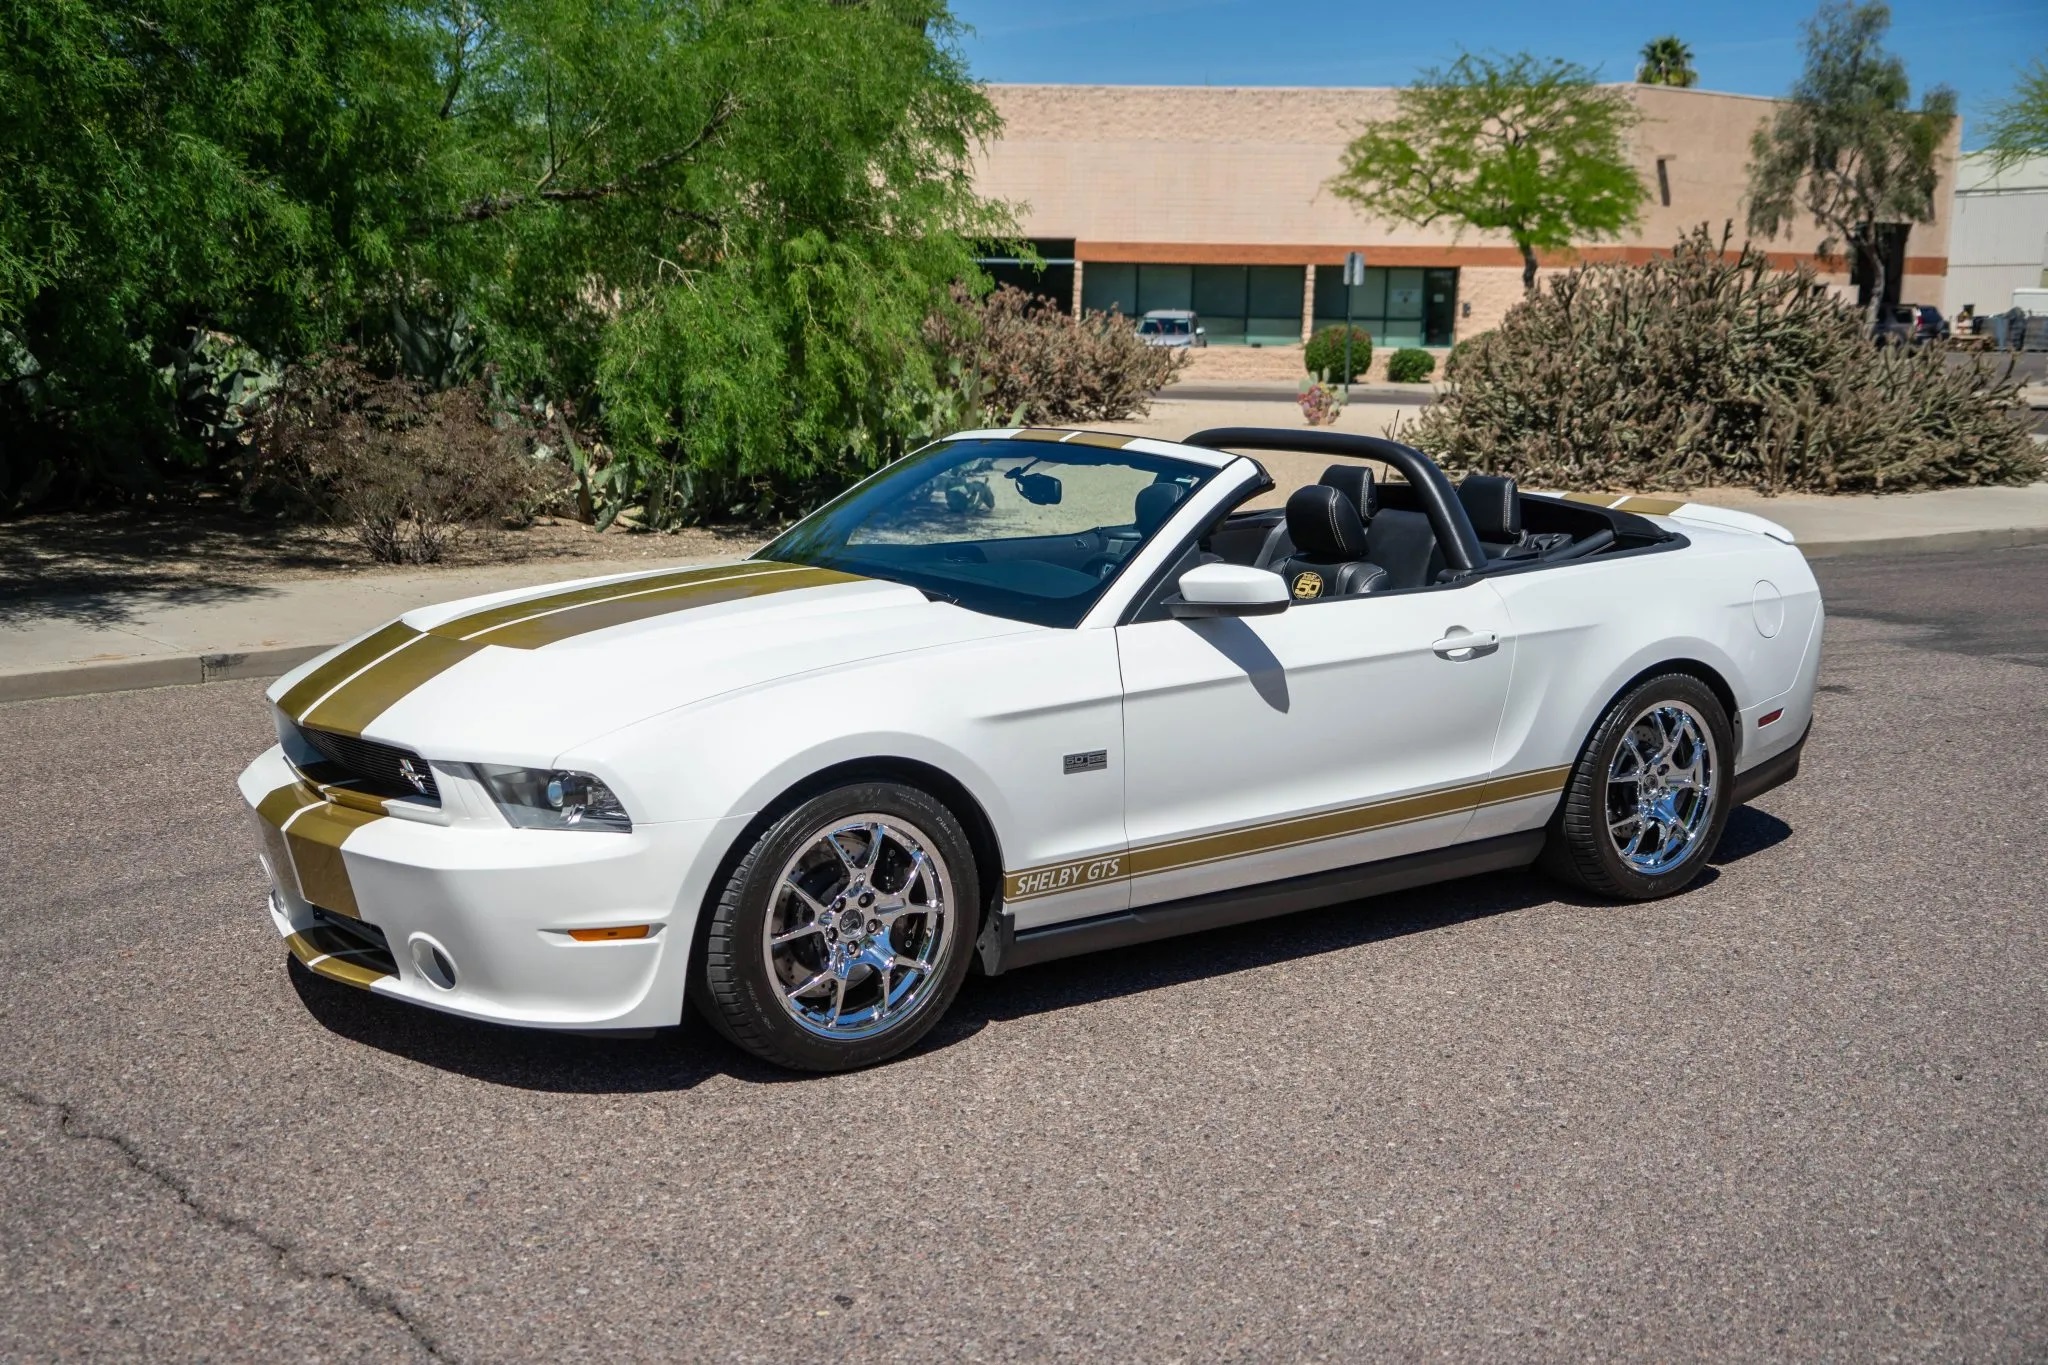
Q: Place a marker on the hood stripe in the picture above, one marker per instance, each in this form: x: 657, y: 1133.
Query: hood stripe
x: 344, y: 665
x: 346, y: 694
x: 580, y: 618
x: 505, y: 613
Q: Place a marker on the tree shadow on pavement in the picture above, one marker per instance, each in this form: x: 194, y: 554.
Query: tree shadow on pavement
x: 680, y: 1058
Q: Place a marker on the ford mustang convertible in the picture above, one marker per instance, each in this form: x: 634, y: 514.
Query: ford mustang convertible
x: 1023, y: 694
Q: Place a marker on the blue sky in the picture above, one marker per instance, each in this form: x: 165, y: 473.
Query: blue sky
x: 1749, y: 46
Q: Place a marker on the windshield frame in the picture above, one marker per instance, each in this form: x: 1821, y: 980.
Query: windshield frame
x: 801, y: 543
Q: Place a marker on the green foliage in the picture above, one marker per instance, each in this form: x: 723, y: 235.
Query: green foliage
x: 1324, y: 354
x: 2017, y: 127
x: 1410, y: 365
x: 1519, y: 145
x: 715, y: 230
x: 1845, y: 147
x: 1667, y: 61
x: 1707, y: 367
x: 1021, y: 361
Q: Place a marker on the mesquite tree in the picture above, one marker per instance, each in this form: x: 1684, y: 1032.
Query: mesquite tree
x: 1846, y: 148
x: 1519, y: 145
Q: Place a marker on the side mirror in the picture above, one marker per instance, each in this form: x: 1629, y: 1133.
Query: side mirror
x: 1228, y: 590
x: 1201, y: 331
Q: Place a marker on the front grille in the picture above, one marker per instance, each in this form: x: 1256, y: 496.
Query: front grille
x: 379, y: 769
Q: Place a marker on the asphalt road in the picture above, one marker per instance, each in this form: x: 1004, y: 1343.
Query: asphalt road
x: 1797, y: 1113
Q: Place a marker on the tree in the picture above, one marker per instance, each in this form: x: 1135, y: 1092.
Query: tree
x: 715, y: 230
x: 1667, y: 61
x: 2018, y: 125
x: 1520, y: 145
x: 1847, y: 149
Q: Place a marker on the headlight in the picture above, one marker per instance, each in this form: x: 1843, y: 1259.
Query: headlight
x: 549, y: 798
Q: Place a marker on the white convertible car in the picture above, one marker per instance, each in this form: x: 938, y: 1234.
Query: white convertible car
x: 1020, y: 695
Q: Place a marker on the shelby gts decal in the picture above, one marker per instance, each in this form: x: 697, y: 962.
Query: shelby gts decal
x: 1174, y: 855
x: 357, y: 685
x: 1044, y: 881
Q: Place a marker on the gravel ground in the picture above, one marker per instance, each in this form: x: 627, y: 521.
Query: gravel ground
x: 1796, y: 1113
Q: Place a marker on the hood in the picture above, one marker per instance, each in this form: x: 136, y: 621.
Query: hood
x: 520, y: 677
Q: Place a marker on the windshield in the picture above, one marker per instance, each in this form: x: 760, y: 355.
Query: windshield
x: 1174, y: 327
x: 1032, y: 530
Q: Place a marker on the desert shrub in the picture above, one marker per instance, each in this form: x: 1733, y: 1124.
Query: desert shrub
x: 1462, y: 354
x: 1324, y: 354
x: 1410, y: 365
x: 1015, y: 357
x: 1709, y: 367
x: 407, y: 469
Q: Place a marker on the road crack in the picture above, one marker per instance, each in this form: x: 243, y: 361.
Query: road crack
x: 290, y: 1259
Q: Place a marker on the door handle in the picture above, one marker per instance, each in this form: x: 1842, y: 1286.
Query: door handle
x: 1461, y: 645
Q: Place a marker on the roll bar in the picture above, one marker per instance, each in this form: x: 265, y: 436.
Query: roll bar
x: 1447, y: 518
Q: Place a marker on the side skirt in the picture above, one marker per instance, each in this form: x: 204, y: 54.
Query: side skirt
x: 1004, y: 949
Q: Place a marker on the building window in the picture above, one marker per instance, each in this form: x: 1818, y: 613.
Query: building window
x: 1664, y: 180
x: 1239, y: 305
x: 1051, y: 277
x: 1400, y: 306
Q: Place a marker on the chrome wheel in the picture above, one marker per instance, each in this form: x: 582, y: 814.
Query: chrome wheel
x: 1660, y: 788
x: 856, y: 934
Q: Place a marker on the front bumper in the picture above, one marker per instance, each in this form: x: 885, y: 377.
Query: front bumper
x: 476, y: 918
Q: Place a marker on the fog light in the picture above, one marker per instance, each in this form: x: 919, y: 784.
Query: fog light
x: 433, y: 963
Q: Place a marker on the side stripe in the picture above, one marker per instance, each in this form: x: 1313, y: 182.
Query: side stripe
x: 1174, y: 855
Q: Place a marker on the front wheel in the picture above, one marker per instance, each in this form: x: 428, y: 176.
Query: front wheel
x: 845, y: 930
x: 1650, y: 794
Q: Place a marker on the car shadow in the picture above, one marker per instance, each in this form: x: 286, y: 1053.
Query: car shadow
x: 679, y: 1059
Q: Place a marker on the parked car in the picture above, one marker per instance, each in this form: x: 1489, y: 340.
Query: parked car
x: 1172, y: 327
x: 1911, y: 324
x: 1109, y: 702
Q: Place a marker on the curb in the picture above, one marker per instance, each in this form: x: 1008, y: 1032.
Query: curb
x: 133, y: 675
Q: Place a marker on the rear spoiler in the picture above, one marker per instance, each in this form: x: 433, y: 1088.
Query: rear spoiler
x: 1678, y: 509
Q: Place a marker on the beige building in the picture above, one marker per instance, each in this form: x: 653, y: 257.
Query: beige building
x: 2001, y: 234
x: 1214, y: 198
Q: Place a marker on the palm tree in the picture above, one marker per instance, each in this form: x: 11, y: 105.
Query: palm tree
x: 1667, y: 61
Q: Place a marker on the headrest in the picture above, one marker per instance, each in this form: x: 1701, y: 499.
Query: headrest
x: 1155, y: 504
x: 1490, y: 501
x: 1324, y: 525
x: 1354, y: 481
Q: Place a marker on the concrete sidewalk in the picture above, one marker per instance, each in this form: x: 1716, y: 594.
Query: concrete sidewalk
x: 109, y: 642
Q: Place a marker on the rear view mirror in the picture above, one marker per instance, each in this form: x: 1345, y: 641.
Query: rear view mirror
x: 1042, y: 489
x: 1228, y: 590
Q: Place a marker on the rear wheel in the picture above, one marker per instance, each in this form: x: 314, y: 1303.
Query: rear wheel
x: 845, y: 931
x: 1649, y: 795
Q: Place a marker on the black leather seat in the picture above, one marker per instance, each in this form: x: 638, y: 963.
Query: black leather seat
x: 1495, y: 507
x: 1329, y: 546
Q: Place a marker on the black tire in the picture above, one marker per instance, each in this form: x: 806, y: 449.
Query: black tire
x: 1581, y: 851
x: 737, y: 990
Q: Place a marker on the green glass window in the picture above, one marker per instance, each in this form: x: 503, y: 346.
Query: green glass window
x: 1400, y: 306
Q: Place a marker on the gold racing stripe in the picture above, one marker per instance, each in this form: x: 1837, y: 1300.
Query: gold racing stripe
x: 1615, y: 502
x: 478, y: 623
x: 315, y: 838
x: 1177, y: 854
x: 337, y: 670
x: 328, y: 957
x: 350, y: 691
x: 563, y: 622
x: 350, y: 708
x: 1108, y: 440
